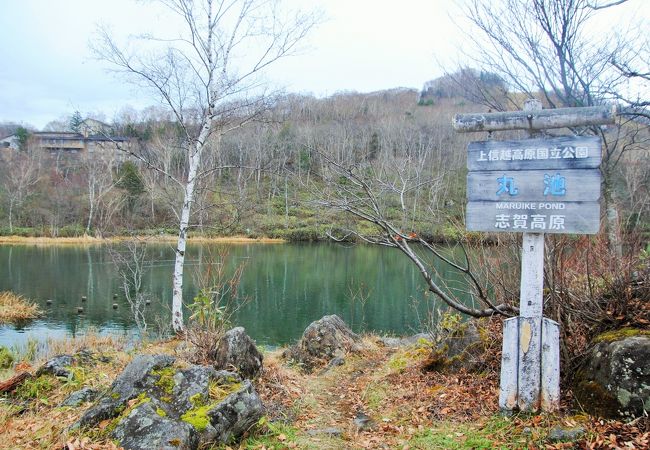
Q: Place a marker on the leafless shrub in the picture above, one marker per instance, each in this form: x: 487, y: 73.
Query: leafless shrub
x: 130, y: 260
x: 215, y: 304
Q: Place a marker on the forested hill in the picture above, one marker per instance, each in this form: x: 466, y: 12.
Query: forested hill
x: 270, y: 177
x: 265, y: 175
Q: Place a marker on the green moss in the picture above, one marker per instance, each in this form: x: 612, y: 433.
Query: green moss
x: 218, y: 391
x: 622, y: 333
x: 198, y: 417
x: 165, y: 381
x: 161, y: 412
x: 124, y: 410
x: 197, y: 399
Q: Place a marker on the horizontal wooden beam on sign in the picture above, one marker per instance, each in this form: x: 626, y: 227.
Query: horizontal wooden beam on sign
x: 564, y: 152
x: 533, y: 217
x: 535, y: 120
x: 534, y: 185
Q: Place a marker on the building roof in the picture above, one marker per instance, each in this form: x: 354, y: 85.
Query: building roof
x: 57, y: 135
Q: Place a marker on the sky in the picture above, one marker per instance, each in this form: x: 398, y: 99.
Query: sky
x: 47, y: 70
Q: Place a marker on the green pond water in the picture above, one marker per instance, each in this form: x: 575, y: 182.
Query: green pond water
x: 287, y: 286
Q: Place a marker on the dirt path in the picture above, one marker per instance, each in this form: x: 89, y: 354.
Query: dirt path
x: 332, y: 401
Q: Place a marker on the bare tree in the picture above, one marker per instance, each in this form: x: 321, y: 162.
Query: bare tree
x: 98, y: 169
x: 208, y: 76
x: 131, y: 261
x: 22, y: 173
x: 368, y: 192
x: 542, y: 48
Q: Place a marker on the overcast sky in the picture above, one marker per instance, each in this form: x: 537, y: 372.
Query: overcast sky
x: 47, y: 72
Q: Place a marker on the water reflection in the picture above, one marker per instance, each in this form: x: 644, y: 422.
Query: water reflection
x: 288, y: 286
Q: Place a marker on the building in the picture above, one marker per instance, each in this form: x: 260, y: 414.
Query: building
x: 70, y: 145
x: 92, y: 127
x: 10, y: 142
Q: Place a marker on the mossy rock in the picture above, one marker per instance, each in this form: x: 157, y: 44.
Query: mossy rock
x: 614, y: 381
x: 458, y: 345
x: 154, y: 404
x: 622, y: 333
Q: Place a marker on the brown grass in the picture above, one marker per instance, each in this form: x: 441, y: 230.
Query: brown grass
x: 14, y: 308
x: 90, y: 240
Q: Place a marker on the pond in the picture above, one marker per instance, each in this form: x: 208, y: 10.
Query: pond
x: 286, y: 286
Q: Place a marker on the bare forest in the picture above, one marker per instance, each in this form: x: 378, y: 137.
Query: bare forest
x: 264, y: 179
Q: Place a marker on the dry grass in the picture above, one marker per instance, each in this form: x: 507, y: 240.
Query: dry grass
x: 14, y: 308
x: 50, y: 240
x: 90, y: 240
x: 410, y: 408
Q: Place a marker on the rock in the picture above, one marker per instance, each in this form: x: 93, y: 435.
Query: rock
x: 363, y: 422
x: 337, y: 361
x: 81, y: 396
x: 125, y: 387
x: 456, y: 347
x: 155, y: 405
x: 334, y: 362
x: 145, y: 428
x: 84, y: 356
x: 327, y: 338
x: 396, y: 342
x: 58, y: 366
x: 615, y: 379
x: 237, y: 413
x: 236, y: 349
x: 332, y: 432
x: 559, y: 434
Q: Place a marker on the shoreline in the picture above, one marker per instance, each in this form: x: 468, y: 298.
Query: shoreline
x: 166, y: 238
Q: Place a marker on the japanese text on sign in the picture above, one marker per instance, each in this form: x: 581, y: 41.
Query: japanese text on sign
x: 528, y: 154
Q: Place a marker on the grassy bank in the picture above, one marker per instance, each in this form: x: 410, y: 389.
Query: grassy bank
x: 15, y: 308
x: 90, y: 240
x: 409, y: 408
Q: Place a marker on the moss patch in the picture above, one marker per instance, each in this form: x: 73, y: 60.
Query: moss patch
x: 198, y: 415
x: 123, y: 411
x: 617, y: 335
x: 165, y: 381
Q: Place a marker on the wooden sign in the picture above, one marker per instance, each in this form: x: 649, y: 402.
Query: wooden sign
x: 564, y: 152
x: 531, y: 120
x: 534, y: 185
x: 534, y: 217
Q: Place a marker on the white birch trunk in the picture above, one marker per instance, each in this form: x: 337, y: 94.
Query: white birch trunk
x: 11, y: 210
x: 91, y: 203
x: 194, y: 162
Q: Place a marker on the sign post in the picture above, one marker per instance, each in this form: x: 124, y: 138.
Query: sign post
x: 533, y: 186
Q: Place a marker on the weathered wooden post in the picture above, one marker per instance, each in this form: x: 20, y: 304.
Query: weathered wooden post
x: 534, y: 186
